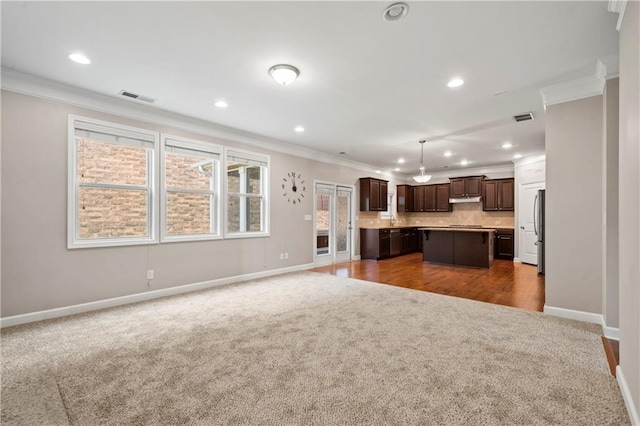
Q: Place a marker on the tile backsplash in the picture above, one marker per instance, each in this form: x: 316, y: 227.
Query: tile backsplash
x: 462, y: 214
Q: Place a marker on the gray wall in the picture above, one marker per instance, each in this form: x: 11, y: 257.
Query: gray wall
x: 39, y: 273
x: 630, y: 199
x: 574, y: 205
x: 611, y: 123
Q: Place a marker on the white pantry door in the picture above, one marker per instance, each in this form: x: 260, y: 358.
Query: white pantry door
x: 528, y: 237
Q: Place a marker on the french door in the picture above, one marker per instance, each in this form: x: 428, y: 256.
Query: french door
x: 332, y: 223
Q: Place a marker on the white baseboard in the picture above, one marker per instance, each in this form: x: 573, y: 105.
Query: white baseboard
x: 608, y: 332
x: 612, y: 333
x: 140, y: 297
x: 628, y: 399
x: 517, y: 260
x: 574, y: 315
x: 357, y: 257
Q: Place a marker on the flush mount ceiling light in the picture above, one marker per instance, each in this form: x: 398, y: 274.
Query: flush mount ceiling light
x: 299, y: 129
x: 221, y: 104
x: 395, y: 12
x: 455, y: 82
x: 284, y: 74
x: 80, y: 58
x: 507, y: 145
x: 422, y: 178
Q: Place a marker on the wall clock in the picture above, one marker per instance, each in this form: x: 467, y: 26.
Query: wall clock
x: 293, y: 188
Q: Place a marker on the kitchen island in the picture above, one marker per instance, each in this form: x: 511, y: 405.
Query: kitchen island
x: 458, y: 246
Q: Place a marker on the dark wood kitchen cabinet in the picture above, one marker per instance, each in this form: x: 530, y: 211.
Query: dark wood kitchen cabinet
x: 504, y: 243
x: 466, y: 187
x: 450, y: 247
x: 404, y: 198
x: 387, y: 242
x: 373, y: 195
x: 442, y: 198
x: 418, y: 198
x: 498, y: 195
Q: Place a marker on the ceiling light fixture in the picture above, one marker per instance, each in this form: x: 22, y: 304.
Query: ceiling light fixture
x: 395, y: 12
x: 455, y: 82
x: 397, y: 169
x: 422, y: 178
x: 80, y: 58
x: 517, y: 156
x: 464, y: 162
x: 221, y: 104
x: 378, y: 171
x: 401, y: 160
x: 448, y: 153
x: 284, y: 74
x: 507, y: 145
x: 299, y: 129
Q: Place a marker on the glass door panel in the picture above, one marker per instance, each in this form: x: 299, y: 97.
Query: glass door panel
x: 323, y: 222
x: 343, y: 224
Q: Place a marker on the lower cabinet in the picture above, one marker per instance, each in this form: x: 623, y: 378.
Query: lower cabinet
x: 458, y: 248
x: 388, y: 242
x: 504, y: 243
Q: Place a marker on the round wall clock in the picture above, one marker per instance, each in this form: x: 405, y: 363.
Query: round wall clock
x: 293, y: 188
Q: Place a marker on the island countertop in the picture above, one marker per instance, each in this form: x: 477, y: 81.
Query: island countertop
x: 457, y: 229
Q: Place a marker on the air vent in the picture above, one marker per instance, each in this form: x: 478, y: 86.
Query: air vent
x: 138, y: 97
x: 523, y: 117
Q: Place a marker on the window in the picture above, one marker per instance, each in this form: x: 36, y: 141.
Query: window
x: 111, y: 184
x: 247, y: 198
x: 190, y: 188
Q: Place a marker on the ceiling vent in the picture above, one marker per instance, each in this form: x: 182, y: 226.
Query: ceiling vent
x: 138, y: 97
x: 523, y: 117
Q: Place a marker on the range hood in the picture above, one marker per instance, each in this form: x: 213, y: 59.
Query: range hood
x: 465, y: 200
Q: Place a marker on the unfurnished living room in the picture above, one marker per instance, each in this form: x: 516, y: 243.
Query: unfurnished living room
x: 311, y: 212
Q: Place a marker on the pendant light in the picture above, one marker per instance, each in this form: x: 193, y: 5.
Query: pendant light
x: 422, y: 178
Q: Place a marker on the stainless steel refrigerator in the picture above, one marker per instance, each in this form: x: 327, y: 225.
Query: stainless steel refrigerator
x: 538, y: 227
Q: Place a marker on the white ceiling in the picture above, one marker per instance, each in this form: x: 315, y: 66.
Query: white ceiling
x: 367, y: 87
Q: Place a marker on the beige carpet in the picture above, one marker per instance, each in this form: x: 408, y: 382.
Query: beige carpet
x: 308, y: 348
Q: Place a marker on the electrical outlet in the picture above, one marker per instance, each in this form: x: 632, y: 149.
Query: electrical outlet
x: 150, y: 274
x: 307, y: 217
x: 281, y: 256
x: 286, y: 255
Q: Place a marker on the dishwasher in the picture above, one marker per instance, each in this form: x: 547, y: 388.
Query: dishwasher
x: 396, y: 242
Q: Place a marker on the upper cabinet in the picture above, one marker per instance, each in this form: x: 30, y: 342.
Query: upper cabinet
x: 423, y: 198
x: 498, y: 195
x: 373, y: 195
x: 466, y: 187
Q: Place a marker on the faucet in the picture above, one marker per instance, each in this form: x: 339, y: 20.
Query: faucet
x: 391, y: 220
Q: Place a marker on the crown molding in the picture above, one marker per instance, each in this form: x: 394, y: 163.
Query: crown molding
x: 496, y: 171
x: 529, y: 160
x: 27, y: 84
x: 581, y: 88
x: 618, y: 6
x: 612, y: 66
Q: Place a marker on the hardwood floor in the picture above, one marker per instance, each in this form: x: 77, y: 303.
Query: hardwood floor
x: 505, y: 283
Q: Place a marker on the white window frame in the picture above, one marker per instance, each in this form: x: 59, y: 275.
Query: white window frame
x: 209, y: 150
x: 73, y: 200
x: 264, y: 179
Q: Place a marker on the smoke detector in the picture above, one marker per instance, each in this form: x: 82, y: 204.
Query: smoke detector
x: 395, y: 12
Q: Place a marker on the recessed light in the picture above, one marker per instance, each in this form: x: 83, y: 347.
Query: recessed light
x: 80, y: 58
x: 299, y: 129
x: 378, y: 171
x: 507, y: 145
x: 517, y: 156
x: 284, y: 74
x: 455, y: 82
x: 401, y: 160
x: 397, y: 169
x: 221, y: 104
x: 464, y: 162
x: 395, y: 12
x: 448, y: 153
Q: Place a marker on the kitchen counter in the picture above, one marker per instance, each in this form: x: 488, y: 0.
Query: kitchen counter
x: 457, y: 229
